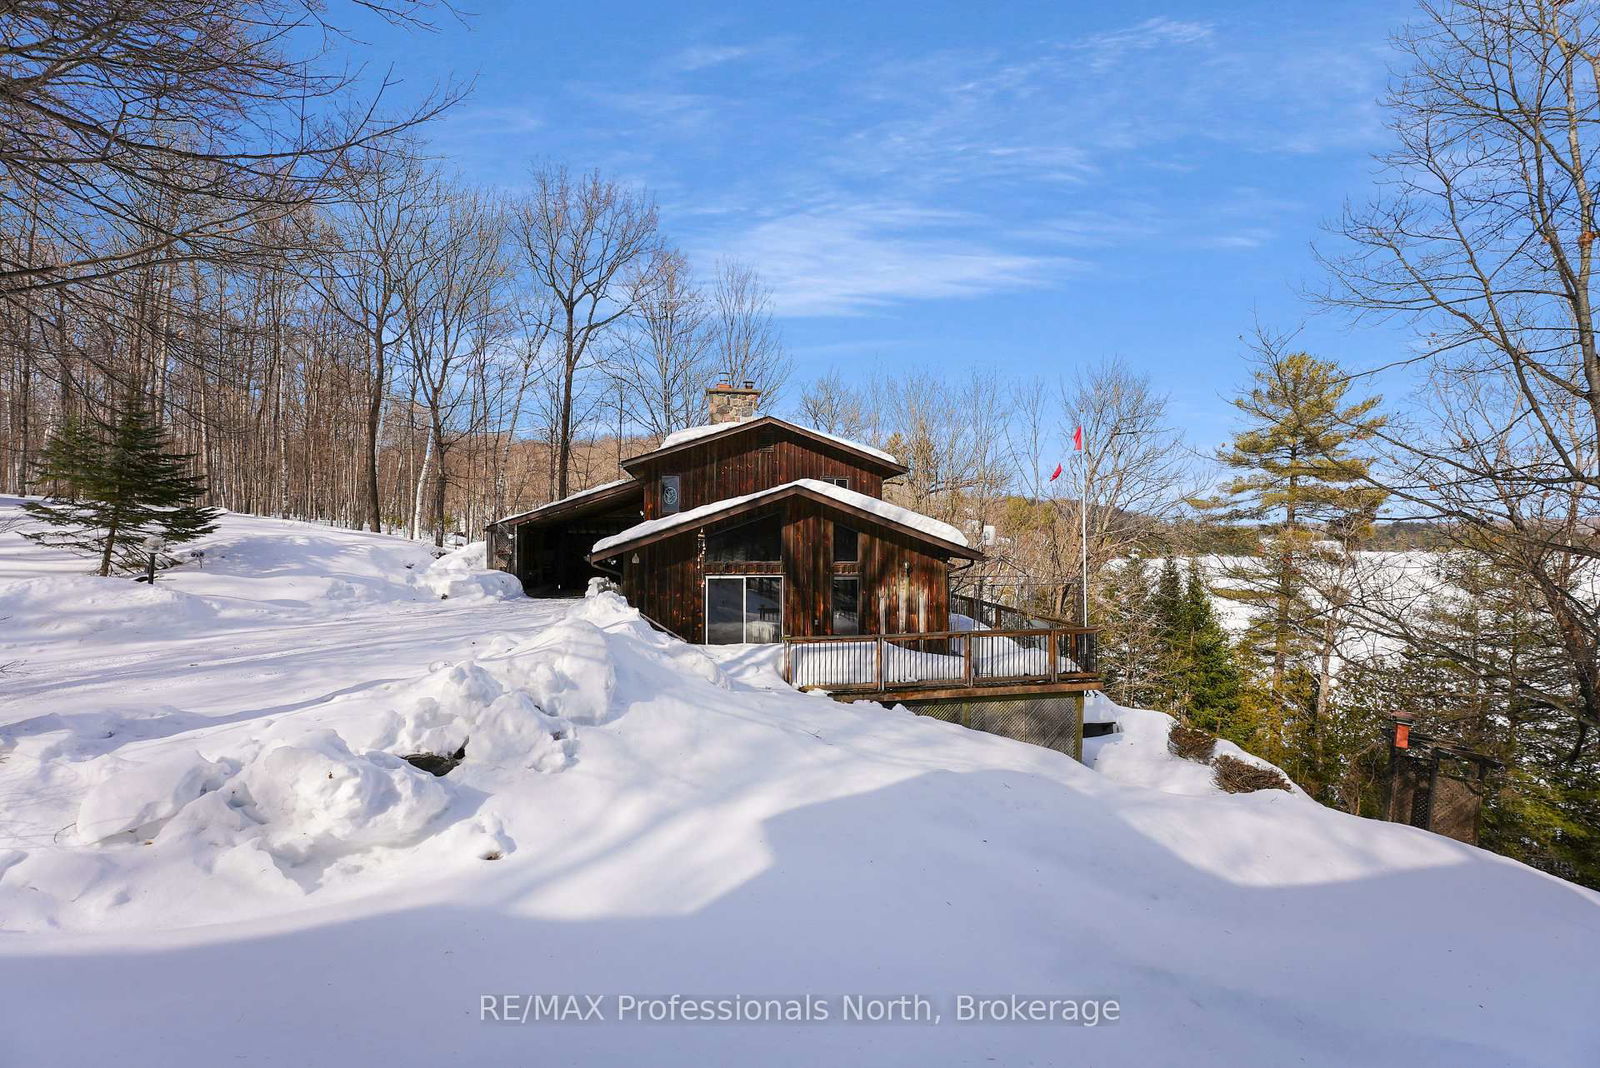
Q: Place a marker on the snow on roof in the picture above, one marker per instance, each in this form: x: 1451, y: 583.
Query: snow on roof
x: 569, y: 498
x: 694, y: 433
x: 893, y: 513
x: 680, y: 437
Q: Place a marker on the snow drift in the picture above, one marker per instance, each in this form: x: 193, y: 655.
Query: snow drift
x: 217, y: 843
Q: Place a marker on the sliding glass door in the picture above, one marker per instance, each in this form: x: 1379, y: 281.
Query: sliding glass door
x: 743, y: 608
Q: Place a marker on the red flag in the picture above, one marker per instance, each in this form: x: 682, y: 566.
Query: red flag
x: 1056, y: 473
x: 1077, y: 440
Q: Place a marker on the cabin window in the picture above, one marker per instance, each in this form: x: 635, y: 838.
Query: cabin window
x: 743, y: 608
x: 841, y: 482
x: 671, y: 500
x: 846, y: 544
x: 846, y: 604
x: 760, y: 540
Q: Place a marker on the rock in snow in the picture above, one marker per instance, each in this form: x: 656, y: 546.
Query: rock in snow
x: 212, y: 849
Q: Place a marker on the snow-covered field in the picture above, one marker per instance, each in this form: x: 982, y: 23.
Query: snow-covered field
x: 210, y: 851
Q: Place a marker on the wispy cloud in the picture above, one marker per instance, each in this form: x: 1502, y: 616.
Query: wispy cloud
x: 856, y: 177
x: 490, y: 120
x: 1105, y: 50
x: 847, y: 260
x: 699, y: 57
x: 662, y: 107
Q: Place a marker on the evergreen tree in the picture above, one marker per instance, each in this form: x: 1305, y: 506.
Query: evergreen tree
x: 1300, y: 474
x: 1545, y: 808
x: 1166, y: 607
x: 1131, y: 655
x: 1214, y: 683
x: 1295, y: 467
x: 1200, y: 680
x: 110, y: 491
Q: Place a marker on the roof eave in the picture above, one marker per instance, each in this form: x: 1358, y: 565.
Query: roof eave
x: 951, y: 548
x: 563, y: 509
x: 891, y: 468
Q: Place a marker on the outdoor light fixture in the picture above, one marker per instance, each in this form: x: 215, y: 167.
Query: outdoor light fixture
x: 152, y: 546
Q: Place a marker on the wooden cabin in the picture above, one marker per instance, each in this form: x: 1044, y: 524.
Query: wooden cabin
x: 748, y: 529
x: 752, y: 529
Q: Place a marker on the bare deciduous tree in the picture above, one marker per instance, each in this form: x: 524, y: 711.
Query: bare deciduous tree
x: 833, y: 407
x: 1486, y: 243
x: 138, y: 133
x: 1132, y: 475
x: 368, y: 264
x: 578, y: 238
x: 745, y: 343
x: 454, y: 301
x: 660, y: 363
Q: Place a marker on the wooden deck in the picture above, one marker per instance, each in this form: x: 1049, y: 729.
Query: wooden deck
x: 945, y: 664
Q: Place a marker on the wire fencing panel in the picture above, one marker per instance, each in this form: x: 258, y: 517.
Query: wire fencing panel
x: 1051, y: 722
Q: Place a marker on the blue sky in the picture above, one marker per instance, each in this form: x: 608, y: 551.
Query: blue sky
x: 1015, y: 186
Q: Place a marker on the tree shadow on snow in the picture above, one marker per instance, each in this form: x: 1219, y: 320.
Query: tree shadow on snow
x: 986, y: 882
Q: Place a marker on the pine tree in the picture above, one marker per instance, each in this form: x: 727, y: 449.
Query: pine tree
x: 112, y: 490
x: 1300, y: 475
x: 1296, y: 468
x: 1166, y: 604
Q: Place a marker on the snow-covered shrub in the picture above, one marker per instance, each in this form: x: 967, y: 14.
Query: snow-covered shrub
x: 568, y: 669
x: 136, y: 795
x: 317, y: 799
x: 1190, y: 743
x: 1234, y: 776
x: 463, y: 574
x: 463, y: 705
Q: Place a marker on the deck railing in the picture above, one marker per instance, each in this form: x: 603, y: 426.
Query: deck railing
x: 1001, y: 616
x: 940, y: 659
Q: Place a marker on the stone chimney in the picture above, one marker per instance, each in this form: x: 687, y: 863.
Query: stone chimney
x: 728, y: 403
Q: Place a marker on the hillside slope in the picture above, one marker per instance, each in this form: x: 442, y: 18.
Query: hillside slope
x: 210, y: 851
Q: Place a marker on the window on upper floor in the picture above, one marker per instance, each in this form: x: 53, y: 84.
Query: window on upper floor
x: 758, y: 540
x: 846, y: 544
x: 842, y: 483
x: 671, y: 495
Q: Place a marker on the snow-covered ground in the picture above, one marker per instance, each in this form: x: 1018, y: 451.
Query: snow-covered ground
x: 210, y: 851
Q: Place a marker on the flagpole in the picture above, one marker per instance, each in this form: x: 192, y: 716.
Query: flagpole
x: 1083, y: 531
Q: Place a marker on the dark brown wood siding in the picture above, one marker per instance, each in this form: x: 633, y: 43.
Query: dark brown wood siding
x: 807, y: 568
x: 742, y: 463
x: 905, y: 586
x: 666, y: 584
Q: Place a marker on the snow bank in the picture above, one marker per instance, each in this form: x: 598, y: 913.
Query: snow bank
x: 567, y: 669
x: 316, y: 799
x: 708, y: 831
x: 464, y: 706
x: 131, y: 797
x: 464, y: 575
x: 78, y: 606
x: 1137, y: 753
x: 332, y: 782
